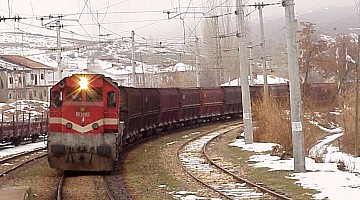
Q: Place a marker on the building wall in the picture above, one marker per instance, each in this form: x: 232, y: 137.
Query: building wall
x: 37, y: 77
x: 19, y: 86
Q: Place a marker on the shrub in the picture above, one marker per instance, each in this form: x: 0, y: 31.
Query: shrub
x: 273, y: 120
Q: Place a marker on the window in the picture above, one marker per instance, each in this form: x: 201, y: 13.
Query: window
x: 11, y: 80
x: 34, y: 93
x: 111, y: 99
x: 32, y: 76
x: 42, y: 76
x: 95, y: 94
x: 73, y: 95
x: 36, y: 79
x: 56, y: 99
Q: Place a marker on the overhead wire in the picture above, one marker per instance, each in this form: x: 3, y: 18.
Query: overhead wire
x: 123, y: 22
x: 32, y: 10
x: 83, y: 9
x: 86, y: 31
x: 107, y: 9
x: 203, y: 17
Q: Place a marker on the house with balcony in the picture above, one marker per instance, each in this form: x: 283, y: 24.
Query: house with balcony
x: 22, y: 78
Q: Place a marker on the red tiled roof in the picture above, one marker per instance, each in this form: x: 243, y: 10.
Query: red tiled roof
x: 22, y: 61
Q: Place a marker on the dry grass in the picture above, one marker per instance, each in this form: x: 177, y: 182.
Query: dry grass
x: 274, y: 122
x: 347, y: 121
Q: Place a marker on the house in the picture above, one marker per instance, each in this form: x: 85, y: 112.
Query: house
x: 22, y: 78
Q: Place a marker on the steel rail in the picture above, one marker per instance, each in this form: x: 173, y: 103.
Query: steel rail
x: 5, y: 159
x: 60, y: 187
x: 22, y: 163
x: 107, y: 188
x: 236, y: 177
x: 193, y: 175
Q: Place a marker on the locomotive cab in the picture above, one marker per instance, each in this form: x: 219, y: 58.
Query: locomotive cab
x: 84, y: 124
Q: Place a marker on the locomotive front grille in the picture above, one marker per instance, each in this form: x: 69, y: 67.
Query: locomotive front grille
x: 89, y: 152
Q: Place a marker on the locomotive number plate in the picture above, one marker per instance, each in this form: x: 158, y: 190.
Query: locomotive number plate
x: 82, y: 114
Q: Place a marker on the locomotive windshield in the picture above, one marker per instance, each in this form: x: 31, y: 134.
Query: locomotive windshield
x: 73, y: 95
x: 93, y: 95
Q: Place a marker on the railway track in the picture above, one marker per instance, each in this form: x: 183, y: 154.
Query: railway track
x: 10, y: 145
x: 79, y: 185
x: 205, y: 170
x: 11, y: 163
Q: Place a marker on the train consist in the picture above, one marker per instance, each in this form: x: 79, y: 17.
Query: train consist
x: 28, y: 127
x: 92, y: 119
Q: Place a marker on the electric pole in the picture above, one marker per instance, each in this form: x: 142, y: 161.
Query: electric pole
x: 295, y: 95
x: 244, y: 70
x: 263, y: 54
x: 251, y: 62
x: 197, y: 63
x: 357, y: 101
x: 9, y: 8
x: 58, y: 49
x: 133, y: 58
x: 218, y: 52
x: 50, y: 25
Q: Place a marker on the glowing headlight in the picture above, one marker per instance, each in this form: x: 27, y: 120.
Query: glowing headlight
x: 95, y: 125
x: 83, y: 83
x: 68, y: 125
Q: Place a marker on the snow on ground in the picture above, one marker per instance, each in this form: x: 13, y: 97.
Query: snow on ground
x: 323, y: 177
x: 21, y: 148
x: 34, y: 107
x: 258, y: 81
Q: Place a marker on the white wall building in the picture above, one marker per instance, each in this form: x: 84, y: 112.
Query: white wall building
x: 22, y: 78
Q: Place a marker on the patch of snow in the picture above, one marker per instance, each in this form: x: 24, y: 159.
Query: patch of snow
x: 22, y: 148
x: 323, y: 177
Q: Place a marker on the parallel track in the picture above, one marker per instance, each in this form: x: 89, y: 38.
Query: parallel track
x: 11, y: 163
x: 238, y: 178
x: 199, y: 166
x: 61, y: 185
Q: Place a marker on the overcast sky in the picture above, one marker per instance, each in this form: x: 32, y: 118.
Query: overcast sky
x: 119, y: 17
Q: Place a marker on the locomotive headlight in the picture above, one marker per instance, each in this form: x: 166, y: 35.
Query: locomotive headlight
x: 95, y: 125
x: 69, y: 125
x: 83, y: 82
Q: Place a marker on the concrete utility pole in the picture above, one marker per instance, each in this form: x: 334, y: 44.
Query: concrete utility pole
x: 51, y: 25
x: 244, y: 70
x: 295, y: 95
x: 266, y: 88
x: 219, y: 70
x: 357, y: 101
x: 58, y: 48
x: 9, y: 8
x: 251, y: 63
x: 197, y: 63
x: 133, y: 59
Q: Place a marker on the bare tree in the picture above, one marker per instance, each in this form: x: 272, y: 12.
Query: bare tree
x: 313, y: 52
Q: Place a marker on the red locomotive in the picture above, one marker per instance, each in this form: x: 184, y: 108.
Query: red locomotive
x: 92, y: 119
